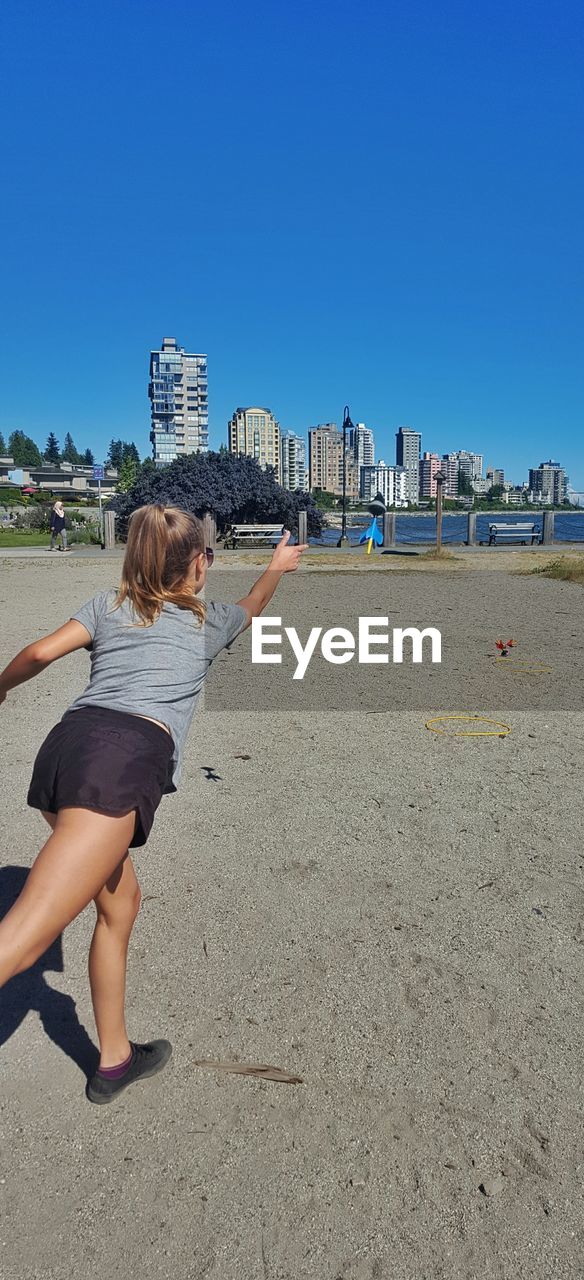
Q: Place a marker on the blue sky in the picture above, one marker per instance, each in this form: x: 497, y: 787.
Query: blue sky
x: 378, y: 205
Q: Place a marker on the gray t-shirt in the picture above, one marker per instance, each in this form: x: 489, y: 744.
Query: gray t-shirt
x: 155, y: 671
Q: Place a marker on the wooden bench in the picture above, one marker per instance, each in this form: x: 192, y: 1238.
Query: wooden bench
x: 522, y: 532
x: 253, y: 534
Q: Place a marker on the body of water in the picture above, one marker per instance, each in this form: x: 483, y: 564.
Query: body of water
x: 568, y: 527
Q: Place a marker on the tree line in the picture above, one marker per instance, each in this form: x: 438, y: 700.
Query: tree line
x: 25, y: 452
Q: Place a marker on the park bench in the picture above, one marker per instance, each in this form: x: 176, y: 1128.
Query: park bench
x: 522, y: 532
x: 252, y: 534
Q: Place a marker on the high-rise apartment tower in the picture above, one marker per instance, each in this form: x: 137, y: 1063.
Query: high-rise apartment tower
x: 408, y: 444
x: 294, y: 470
x: 178, y: 394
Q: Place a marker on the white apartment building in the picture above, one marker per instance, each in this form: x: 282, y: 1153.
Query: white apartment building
x: 390, y: 482
x: 362, y: 444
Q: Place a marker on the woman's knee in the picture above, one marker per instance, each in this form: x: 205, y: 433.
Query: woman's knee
x: 119, y: 910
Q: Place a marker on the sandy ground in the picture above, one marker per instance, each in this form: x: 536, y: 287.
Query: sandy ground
x: 394, y: 915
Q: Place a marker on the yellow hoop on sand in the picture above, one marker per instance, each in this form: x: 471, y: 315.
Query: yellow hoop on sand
x: 526, y: 665
x: 500, y: 731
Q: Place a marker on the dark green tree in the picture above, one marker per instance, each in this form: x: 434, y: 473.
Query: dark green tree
x: 24, y: 450
x: 115, y: 453
x: 70, y: 453
x: 88, y: 458
x: 231, y: 488
x: 464, y: 485
x: 129, y: 451
x: 323, y: 499
x: 3, y: 453
x: 52, y: 453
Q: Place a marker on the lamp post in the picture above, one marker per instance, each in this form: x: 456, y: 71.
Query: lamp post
x: 439, y: 478
x: 347, y: 424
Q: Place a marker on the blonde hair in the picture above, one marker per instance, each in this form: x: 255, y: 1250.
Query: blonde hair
x: 162, y: 543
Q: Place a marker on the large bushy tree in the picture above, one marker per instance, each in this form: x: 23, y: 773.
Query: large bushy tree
x: 3, y: 453
x: 24, y: 450
x: 233, y: 489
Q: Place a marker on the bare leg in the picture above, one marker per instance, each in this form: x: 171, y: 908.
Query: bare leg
x: 72, y: 868
x: 117, y: 907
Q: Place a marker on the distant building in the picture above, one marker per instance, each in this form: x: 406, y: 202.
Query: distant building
x: 516, y: 495
x: 178, y: 394
x: 495, y: 476
x: 408, y: 444
x: 471, y: 466
x: 450, y: 468
x: 390, y: 482
x: 62, y: 479
x: 255, y: 433
x: 548, y: 483
x: 362, y: 444
x: 428, y: 465
x: 294, y: 470
x: 325, y: 452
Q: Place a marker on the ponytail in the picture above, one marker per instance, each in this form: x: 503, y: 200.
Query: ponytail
x: 162, y: 543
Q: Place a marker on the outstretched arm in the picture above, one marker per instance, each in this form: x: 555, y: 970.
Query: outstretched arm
x: 38, y: 655
x: 284, y: 560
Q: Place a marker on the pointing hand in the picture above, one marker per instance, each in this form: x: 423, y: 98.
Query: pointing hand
x: 285, y: 559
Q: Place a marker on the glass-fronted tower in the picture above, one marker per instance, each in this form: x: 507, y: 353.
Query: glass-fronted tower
x: 178, y: 394
x: 293, y: 462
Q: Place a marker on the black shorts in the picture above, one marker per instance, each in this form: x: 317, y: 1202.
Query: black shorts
x: 104, y: 760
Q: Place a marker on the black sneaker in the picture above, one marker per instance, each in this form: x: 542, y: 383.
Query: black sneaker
x: 147, y: 1059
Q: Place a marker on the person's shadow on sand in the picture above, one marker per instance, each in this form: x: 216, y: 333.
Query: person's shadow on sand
x: 31, y: 990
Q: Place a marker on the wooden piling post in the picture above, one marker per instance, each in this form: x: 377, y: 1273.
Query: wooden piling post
x: 389, y: 529
x: 109, y: 540
x: 210, y: 530
x: 547, y: 536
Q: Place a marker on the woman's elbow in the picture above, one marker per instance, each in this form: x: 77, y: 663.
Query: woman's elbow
x: 38, y: 654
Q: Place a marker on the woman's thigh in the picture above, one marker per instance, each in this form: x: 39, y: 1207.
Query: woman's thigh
x: 71, y: 869
x: 120, y: 892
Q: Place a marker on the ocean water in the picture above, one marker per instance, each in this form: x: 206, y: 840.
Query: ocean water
x: 568, y: 527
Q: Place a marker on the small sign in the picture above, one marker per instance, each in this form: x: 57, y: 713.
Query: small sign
x: 98, y: 473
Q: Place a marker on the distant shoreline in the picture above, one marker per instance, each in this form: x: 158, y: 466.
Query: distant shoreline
x: 335, y: 517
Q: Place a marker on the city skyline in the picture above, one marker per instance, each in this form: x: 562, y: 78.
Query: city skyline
x: 241, y: 433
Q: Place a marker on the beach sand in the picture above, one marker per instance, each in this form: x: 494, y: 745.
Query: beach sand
x: 393, y: 915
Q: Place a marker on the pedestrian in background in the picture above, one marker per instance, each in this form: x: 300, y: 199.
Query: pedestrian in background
x: 58, y: 527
